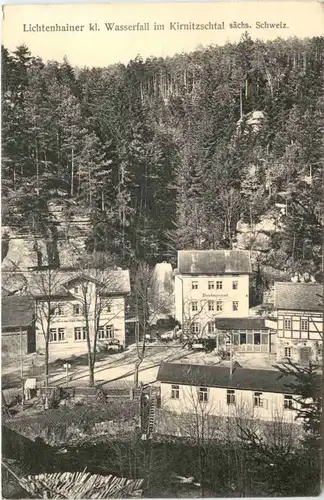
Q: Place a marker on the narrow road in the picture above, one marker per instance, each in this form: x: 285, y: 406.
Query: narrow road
x: 112, y: 372
x: 116, y: 367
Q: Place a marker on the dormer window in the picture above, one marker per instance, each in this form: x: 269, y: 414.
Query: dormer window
x: 76, y: 309
x: 60, y: 310
x: 76, y: 289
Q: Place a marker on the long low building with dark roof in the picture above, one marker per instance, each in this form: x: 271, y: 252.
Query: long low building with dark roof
x: 263, y: 394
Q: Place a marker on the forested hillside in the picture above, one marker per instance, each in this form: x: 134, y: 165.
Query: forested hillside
x: 171, y: 153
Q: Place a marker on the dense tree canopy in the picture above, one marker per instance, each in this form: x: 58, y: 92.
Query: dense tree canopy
x: 170, y: 153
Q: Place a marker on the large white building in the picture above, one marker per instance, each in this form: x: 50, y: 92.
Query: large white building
x: 211, y: 284
x: 96, y: 297
x: 70, y: 303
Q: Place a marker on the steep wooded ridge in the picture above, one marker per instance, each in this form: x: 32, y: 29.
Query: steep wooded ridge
x: 219, y: 148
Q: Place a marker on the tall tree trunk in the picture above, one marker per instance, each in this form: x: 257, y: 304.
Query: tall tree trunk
x: 202, y: 470
x: 14, y: 178
x: 137, y: 365
x: 90, y: 193
x: 138, y: 361
x: 46, y: 362
x: 91, y: 371
x: 90, y: 359
x: 46, y: 359
x: 72, y: 172
x: 37, y: 170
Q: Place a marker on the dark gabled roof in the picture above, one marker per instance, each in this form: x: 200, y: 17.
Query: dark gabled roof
x: 38, y: 283
x: 214, y: 262
x: 111, y: 281
x: 298, y: 296
x: 16, y: 311
x: 252, y: 323
x: 219, y: 376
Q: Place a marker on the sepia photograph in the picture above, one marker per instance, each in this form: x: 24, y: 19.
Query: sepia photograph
x: 162, y: 250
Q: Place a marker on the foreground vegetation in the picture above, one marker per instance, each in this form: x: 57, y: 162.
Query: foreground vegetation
x: 230, y: 470
x: 60, y: 426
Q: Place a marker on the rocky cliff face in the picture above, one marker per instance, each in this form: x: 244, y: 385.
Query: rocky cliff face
x: 24, y: 250
x: 257, y: 237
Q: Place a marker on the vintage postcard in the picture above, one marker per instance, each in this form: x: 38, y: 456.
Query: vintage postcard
x: 162, y: 249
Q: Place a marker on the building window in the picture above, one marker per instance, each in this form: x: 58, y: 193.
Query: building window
x: 235, y: 285
x: 304, y: 325
x: 76, y: 309
x: 288, y: 402
x: 57, y: 335
x: 61, y: 334
x: 108, y: 307
x: 287, y: 352
x: 101, y: 333
x: 230, y: 397
x: 211, y: 305
x: 106, y: 332
x: 257, y: 338
x: 235, y: 305
x: 110, y: 331
x: 287, y: 324
x: 219, y: 305
x: 211, y: 285
x: 53, y: 335
x: 258, y: 399
x: 194, y: 306
x: 76, y: 289
x: 211, y: 327
x: 219, y: 285
x: 242, y: 338
x: 60, y: 310
x: 80, y: 333
x: 175, y: 392
x: 194, y: 285
x: 195, y: 328
x: 265, y: 339
x: 203, y: 394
